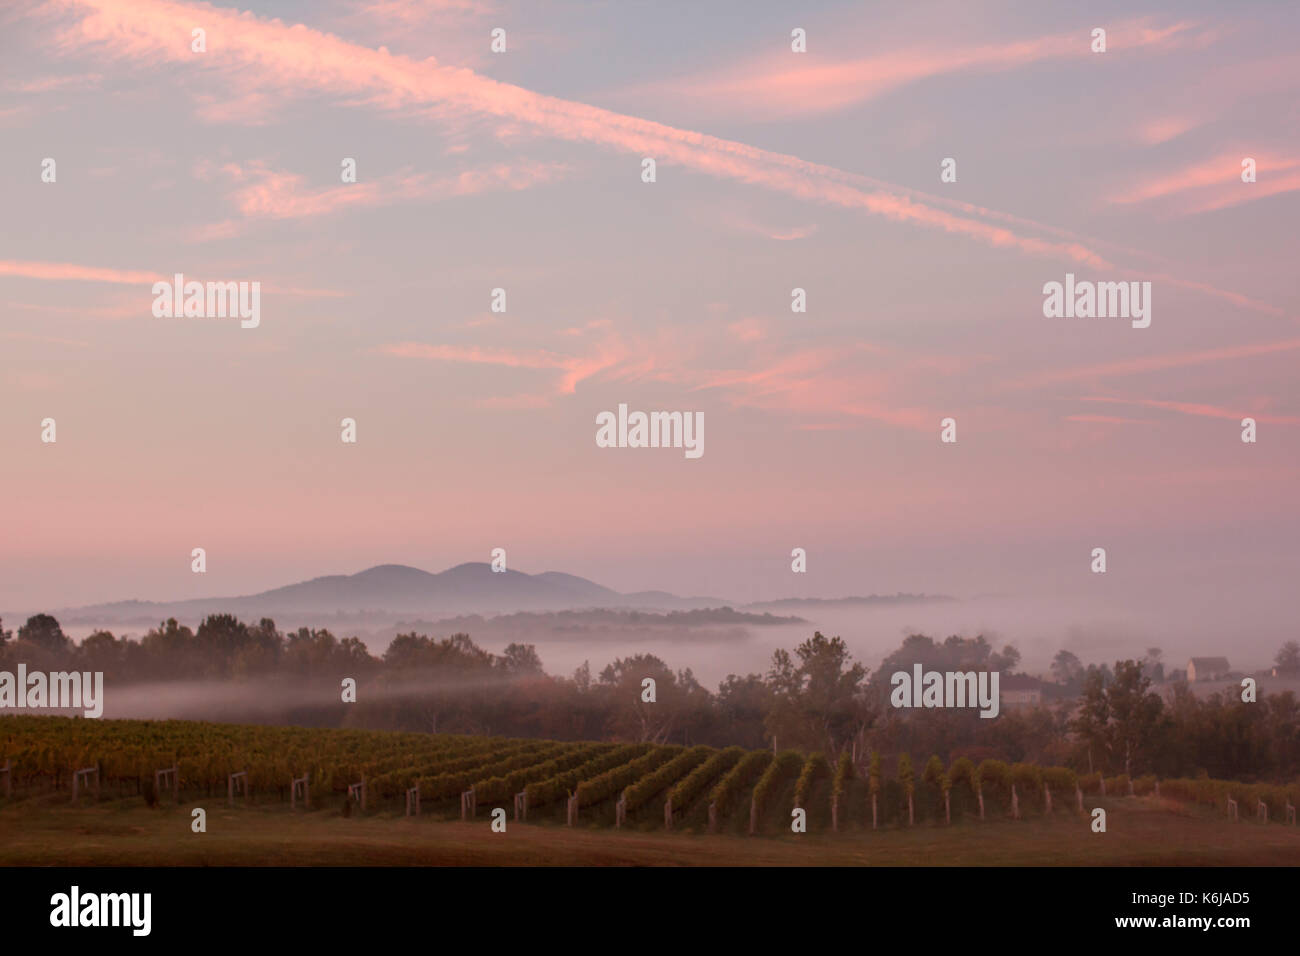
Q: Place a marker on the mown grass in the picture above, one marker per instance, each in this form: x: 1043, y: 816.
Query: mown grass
x: 1140, y: 832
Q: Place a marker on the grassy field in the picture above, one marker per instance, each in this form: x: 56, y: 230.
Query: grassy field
x: 1141, y: 832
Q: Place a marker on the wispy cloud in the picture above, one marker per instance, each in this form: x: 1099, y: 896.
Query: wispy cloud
x: 71, y: 272
x: 782, y: 86
x: 1153, y: 363
x: 294, y: 61
x: 1199, y: 409
x: 1108, y: 420
x: 1216, y: 183
x: 573, y: 369
x: 268, y: 57
x: 265, y: 193
x: 53, y: 84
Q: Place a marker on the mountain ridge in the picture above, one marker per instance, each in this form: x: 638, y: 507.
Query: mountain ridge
x: 402, y: 590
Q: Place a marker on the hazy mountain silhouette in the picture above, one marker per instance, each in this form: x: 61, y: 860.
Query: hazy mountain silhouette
x: 389, y: 591
x: 398, y: 589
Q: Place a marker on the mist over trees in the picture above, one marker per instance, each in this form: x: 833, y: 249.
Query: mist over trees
x: 814, y: 698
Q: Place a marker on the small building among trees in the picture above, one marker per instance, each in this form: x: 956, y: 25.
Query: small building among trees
x: 1207, y: 668
x: 1020, y: 690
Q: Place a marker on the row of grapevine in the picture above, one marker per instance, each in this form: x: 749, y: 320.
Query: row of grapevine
x: 614, y: 780
x: 637, y: 793
x: 442, y: 785
x: 843, y: 775
x: 505, y: 786
x: 542, y: 792
x: 814, y: 768
x: 783, y: 768
x: 728, y: 790
x: 695, y: 782
x: 396, y: 781
x: 43, y: 751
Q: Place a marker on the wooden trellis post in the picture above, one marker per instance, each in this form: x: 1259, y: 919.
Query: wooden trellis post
x: 713, y: 817
x: 668, y: 813
x: 835, y: 813
x: 1157, y: 788
x: 873, y: 811
x: 1047, y: 798
x: 1261, y: 811
x: 620, y: 811
x: 296, y: 784
x: 468, y: 808
x: 753, y: 817
x: 173, y: 774
x: 1078, y: 795
x: 1232, y: 809
x: 1102, y: 778
x: 413, y: 802
x: 242, y: 777
x: 571, y: 811
x: 8, y: 771
x: 1131, y: 791
x: 359, y: 790
x: 521, y: 805
x: 1290, y: 813
x: 979, y: 794
x: 1015, y: 803
x: 947, y: 806
x: 77, y: 775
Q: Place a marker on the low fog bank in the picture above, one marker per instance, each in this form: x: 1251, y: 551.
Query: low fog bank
x: 314, y: 701
x: 1039, y: 627
x: 1096, y: 631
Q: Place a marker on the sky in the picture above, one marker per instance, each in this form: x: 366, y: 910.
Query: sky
x: 775, y: 170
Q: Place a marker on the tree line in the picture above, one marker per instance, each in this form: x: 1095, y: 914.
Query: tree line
x: 1097, y: 718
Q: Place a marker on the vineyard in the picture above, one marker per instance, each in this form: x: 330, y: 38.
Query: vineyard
x: 635, y: 786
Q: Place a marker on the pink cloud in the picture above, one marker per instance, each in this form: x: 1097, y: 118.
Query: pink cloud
x: 49, y: 84
x: 783, y: 85
x: 1108, y: 420
x: 823, y: 381
x: 574, y: 368
x: 265, y: 193
x: 71, y: 272
x: 292, y: 61
x: 1162, y: 130
x: 1196, y: 408
x: 68, y: 271
x: 413, y: 12
x: 252, y: 53
x: 1216, y: 182
x: 814, y: 382
x: 747, y: 330
x: 1217, y: 92
x: 80, y: 312
x: 1155, y: 363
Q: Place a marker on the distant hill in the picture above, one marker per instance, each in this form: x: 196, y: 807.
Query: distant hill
x: 394, y: 589
x: 387, y: 593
